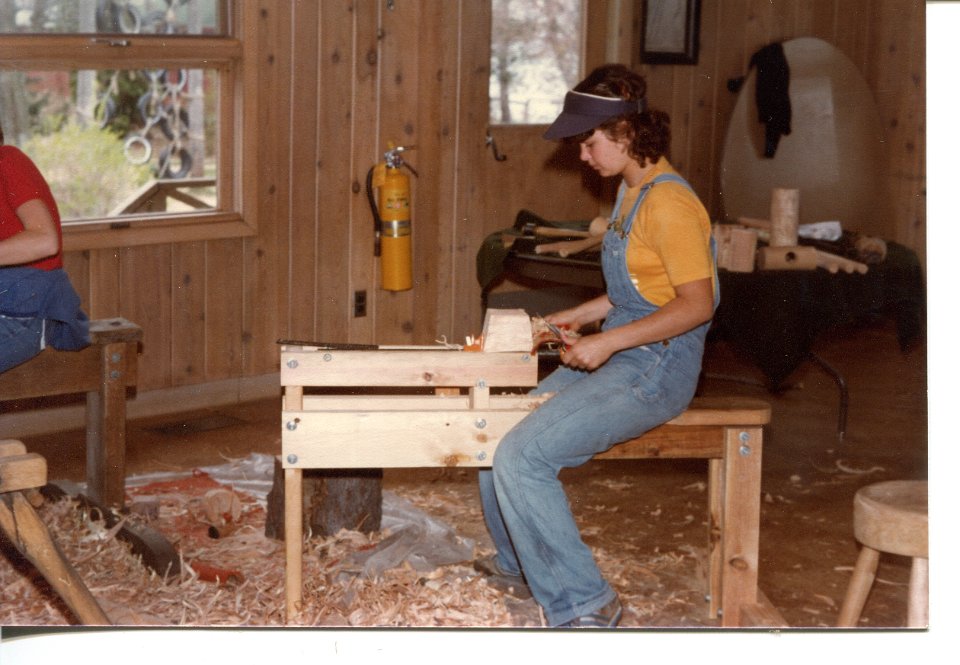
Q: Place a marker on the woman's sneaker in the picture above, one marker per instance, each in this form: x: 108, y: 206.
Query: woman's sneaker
x: 502, y: 581
x: 607, y: 616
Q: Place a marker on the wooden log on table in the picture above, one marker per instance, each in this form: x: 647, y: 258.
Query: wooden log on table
x: 784, y: 216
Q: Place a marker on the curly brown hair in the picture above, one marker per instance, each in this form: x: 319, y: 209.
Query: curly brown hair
x: 648, y: 132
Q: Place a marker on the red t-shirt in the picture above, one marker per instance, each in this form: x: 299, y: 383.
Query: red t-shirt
x: 21, y: 181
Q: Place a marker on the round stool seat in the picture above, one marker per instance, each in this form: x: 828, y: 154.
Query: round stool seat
x: 892, y: 517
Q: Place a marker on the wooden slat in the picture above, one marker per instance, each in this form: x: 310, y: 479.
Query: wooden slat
x: 55, y: 372
x: 335, y: 198
x: 439, y: 402
x: 303, y: 223
x: 223, y: 313
x: 66, y: 371
x: 402, y: 368
x: 147, y: 298
x: 360, y: 19
x: 668, y: 441
x: 724, y: 411
x: 389, y: 439
x: 188, y: 329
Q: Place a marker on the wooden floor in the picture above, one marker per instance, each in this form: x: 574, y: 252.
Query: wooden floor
x: 806, y: 544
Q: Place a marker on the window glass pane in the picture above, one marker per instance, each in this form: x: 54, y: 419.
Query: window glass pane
x: 167, y: 17
x: 118, y: 142
x: 534, y: 58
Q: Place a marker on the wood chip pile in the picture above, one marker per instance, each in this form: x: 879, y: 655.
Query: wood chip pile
x: 238, y: 579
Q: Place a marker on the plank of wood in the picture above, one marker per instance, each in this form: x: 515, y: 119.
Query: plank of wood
x: 394, y: 439
x: 507, y: 330
x: 53, y: 372
x: 428, y: 369
x: 20, y: 472
x: 724, y: 411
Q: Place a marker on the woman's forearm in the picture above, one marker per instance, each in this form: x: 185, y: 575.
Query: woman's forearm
x: 38, y: 240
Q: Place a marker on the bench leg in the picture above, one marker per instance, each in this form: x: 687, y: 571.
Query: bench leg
x: 29, y: 534
x: 293, y: 536
x: 741, y: 520
x: 107, y: 429
x: 714, y: 535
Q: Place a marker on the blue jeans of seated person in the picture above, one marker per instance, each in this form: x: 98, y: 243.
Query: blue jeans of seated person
x: 20, y: 340
x: 524, y: 505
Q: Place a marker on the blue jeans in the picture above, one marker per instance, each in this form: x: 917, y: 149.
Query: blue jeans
x: 20, y: 340
x: 524, y: 504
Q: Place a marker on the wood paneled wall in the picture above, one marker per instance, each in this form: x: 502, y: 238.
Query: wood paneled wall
x: 338, y: 79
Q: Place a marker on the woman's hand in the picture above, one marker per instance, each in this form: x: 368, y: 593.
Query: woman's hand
x: 588, y: 352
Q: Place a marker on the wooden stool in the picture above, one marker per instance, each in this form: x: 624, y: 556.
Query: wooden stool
x: 889, y: 517
x: 21, y: 472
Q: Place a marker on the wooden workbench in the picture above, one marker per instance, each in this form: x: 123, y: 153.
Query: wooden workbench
x: 449, y: 417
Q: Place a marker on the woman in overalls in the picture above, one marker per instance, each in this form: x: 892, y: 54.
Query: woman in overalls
x: 638, y: 372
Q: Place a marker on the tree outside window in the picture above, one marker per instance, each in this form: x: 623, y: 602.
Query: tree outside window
x: 535, y: 57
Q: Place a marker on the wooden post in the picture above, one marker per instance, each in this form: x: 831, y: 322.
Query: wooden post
x: 741, y: 520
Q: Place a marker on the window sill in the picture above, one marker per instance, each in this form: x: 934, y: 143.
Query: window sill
x: 101, y: 234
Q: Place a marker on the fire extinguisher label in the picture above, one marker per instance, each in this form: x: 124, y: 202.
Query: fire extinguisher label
x: 396, y: 228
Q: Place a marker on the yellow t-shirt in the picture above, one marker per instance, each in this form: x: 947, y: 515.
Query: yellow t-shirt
x: 669, y: 242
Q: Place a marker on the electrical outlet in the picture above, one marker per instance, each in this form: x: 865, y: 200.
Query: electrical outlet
x: 359, y: 303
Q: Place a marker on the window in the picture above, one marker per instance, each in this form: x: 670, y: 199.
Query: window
x: 128, y: 107
x: 535, y: 57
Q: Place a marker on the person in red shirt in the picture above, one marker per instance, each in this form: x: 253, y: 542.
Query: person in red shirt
x: 38, y: 305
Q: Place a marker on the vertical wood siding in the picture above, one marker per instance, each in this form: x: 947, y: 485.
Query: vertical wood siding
x: 338, y: 79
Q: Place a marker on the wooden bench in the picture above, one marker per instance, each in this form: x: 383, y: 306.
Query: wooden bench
x: 104, y: 370
x: 456, y: 421
x: 20, y: 474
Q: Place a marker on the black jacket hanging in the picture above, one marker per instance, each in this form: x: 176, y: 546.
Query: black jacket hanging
x: 773, y: 94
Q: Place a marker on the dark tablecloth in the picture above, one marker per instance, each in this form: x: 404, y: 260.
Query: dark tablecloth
x: 771, y: 318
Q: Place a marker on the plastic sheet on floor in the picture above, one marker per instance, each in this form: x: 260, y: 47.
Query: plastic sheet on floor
x: 416, y: 538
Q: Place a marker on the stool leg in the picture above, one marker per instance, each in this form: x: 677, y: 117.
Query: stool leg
x: 863, y: 575
x: 30, y: 536
x: 917, y: 602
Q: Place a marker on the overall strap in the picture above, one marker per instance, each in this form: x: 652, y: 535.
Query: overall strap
x: 672, y: 177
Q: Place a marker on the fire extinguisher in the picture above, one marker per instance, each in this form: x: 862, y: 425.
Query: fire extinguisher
x: 391, y: 218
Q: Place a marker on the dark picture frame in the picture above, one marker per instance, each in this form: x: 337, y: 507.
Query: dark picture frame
x: 670, y: 32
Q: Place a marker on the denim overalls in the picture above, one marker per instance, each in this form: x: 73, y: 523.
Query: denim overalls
x: 634, y: 391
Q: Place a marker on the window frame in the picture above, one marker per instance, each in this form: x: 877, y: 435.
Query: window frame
x: 232, y: 57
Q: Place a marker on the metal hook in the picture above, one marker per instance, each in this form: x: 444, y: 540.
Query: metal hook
x: 497, y: 155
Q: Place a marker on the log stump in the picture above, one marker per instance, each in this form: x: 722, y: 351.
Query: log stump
x: 333, y: 499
